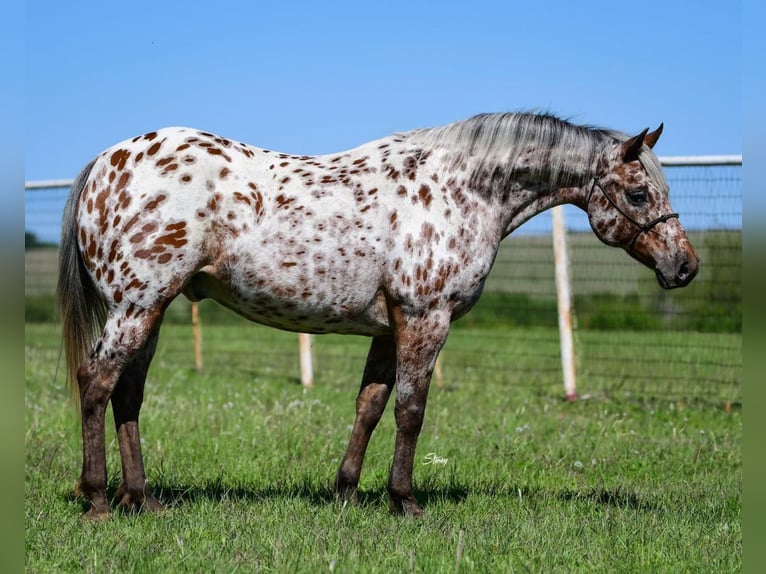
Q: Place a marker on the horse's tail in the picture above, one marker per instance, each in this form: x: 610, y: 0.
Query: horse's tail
x: 81, y: 308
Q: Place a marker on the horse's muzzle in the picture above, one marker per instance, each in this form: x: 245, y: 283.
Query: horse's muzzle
x: 681, y: 276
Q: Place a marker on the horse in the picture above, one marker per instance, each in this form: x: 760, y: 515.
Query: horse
x: 392, y: 240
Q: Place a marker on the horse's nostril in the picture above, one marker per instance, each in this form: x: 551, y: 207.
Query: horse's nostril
x: 683, y: 272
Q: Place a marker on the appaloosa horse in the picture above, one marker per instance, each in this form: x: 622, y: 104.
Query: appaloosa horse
x: 392, y: 240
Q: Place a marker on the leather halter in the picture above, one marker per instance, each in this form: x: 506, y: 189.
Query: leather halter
x: 642, y: 227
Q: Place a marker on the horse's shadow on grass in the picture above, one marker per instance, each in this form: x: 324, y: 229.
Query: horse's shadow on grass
x: 615, y: 497
x: 316, y: 495
x: 322, y: 495
x: 180, y: 495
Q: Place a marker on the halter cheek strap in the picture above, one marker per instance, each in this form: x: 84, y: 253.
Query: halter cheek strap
x: 642, y: 227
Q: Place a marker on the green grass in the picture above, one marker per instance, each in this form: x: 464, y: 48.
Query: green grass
x: 645, y: 475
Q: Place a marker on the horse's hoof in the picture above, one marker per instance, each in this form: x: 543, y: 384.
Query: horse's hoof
x: 97, y: 514
x: 407, y: 508
x: 348, y: 496
x: 143, y: 503
x: 152, y: 505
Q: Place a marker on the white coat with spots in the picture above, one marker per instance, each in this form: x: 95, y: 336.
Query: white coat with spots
x: 393, y: 240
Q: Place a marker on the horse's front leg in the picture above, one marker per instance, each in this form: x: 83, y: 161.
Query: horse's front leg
x: 418, y: 342
x: 377, y: 382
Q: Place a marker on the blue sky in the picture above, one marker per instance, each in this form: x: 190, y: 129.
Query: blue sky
x: 323, y: 77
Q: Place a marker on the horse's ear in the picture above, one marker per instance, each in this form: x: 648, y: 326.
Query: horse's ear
x: 631, y: 147
x: 652, y: 137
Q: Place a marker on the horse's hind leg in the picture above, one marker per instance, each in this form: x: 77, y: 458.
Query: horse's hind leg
x: 125, y: 334
x: 133, y: 492
x: 377, y: 382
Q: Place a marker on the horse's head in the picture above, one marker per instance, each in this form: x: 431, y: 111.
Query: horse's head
x: 628, y: 207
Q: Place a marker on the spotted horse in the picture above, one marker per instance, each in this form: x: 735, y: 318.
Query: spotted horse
x: 392, y: 240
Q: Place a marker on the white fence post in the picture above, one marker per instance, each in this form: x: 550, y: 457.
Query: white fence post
x: 307, y: 368
x: 564, y: 300
x: 197, y: 334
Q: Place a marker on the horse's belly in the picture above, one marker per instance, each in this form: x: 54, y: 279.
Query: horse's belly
x: 361, y: 319
x: 320, y: 307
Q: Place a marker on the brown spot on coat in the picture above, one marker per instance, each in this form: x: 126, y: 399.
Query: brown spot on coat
x: 121, y: 184
x: 284, y: 201
x: 113, y: 251
x: 258, y: 199
x: 150, y: 206
x: 165, y: 160
x: 410, y: 167
x: 392, y: 173
x: 119, y: 158
x: 427, y: 232
x: 424, y: 193
x: 239, y: 196
x: 212, y: 203
x: 218, y: 151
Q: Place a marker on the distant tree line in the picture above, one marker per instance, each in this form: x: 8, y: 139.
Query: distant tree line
x: 32, y: 242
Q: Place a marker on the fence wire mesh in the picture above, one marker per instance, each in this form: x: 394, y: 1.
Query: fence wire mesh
x: 631, y: 337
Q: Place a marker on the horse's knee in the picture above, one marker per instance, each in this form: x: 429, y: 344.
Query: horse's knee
x: 409, y: 417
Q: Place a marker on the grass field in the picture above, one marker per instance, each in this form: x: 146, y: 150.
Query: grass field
x: 643, y: 476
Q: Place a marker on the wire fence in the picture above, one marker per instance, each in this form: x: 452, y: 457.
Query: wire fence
x: 631, y: 337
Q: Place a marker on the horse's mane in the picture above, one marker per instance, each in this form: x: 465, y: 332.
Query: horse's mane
x: 568, y: 151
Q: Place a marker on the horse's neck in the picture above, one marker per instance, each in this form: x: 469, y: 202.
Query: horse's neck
x: 530, y: 191
x: 521, y: 213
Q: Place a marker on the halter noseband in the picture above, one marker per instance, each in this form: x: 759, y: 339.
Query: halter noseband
x: 642, y: 227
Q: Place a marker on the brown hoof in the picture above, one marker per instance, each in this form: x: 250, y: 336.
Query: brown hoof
x: 408, y: 508
x: 144, y: 502
x: 348, y: 495
x: 97, y: 514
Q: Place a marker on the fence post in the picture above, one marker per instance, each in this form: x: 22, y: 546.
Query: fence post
x: 564, y: 301
x: 307, y: 369
x: 197, y: 337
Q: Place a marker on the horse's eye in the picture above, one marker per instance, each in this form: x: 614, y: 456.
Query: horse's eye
x: 638, y: 196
